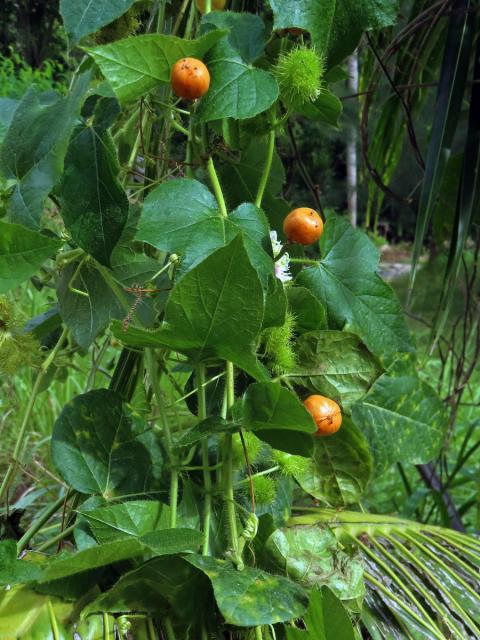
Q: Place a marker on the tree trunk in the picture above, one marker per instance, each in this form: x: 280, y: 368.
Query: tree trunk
x: 352, y: 145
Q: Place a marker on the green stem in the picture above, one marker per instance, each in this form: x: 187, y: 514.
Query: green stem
x: 167, y: 624
x: 106, y: 626
x: 39, y: 522
x: 155, y: 382
x: 181, y: 13
x: 314, y: 263
x: 53, y: 621
x: 227, y: 475
x: 266, y: 169
x: 258, y: 633
x: 53, y: 541
x: 217, y: 189
x: 151, y: 630
x: 13, y: 466
x: 208, y: 6
x: 207, y: 480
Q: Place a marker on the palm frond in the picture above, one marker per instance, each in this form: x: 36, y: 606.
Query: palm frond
x: 422, y: 581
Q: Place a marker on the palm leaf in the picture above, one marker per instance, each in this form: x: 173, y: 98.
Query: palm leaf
x: 468, y: 202
x: 422, y: 581
x: 453, y: 77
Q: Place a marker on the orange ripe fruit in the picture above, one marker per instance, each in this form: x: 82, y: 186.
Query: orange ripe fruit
x: 303, y: 225
x: 190, y: 78
x: 326, y: 414
x: 217, y: 5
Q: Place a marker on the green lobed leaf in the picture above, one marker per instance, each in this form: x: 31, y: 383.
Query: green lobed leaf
x: 36, y: 160
x: 355, y: 297
x: 22, y: 252
x: 313, y: 557
x: 82, y: 17
x: 237, y: 89
x: 335, y: 27
x: 335, y: 364
x: 251, y: 597
x: 326, y: 619
x: 135, y: 66
x: 94, y: 204
x: 182, y: 216
x: 340, y: 468
x: 100, y: 447
x: 215, y: 310
x: 403, y: 419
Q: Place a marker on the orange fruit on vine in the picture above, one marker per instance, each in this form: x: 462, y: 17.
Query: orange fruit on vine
x: 190, y: 78
x: 326, y: 414
x: 303, y: 225
x: 217, y: 5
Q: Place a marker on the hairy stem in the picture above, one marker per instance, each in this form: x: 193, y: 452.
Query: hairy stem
x: 217, y: 189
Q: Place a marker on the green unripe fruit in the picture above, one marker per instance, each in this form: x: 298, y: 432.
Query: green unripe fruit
x: 277, y: 343
x: 299, y: 74
x: 253, y: 445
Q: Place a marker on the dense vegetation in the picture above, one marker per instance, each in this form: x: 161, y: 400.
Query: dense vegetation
x: 217, y: 419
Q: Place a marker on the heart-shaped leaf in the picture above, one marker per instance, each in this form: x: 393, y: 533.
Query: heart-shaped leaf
x: 135, y: 66
x: 237, y: 89
x: 99, y: 447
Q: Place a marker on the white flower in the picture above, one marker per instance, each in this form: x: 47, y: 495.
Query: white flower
x: 282, y: 266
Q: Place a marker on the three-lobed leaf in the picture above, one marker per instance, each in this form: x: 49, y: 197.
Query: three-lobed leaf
x: 335, y: 364
x: 238, y: 89
x: 402, y: 418
x: 135, y: 66
x: 355, y: 297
